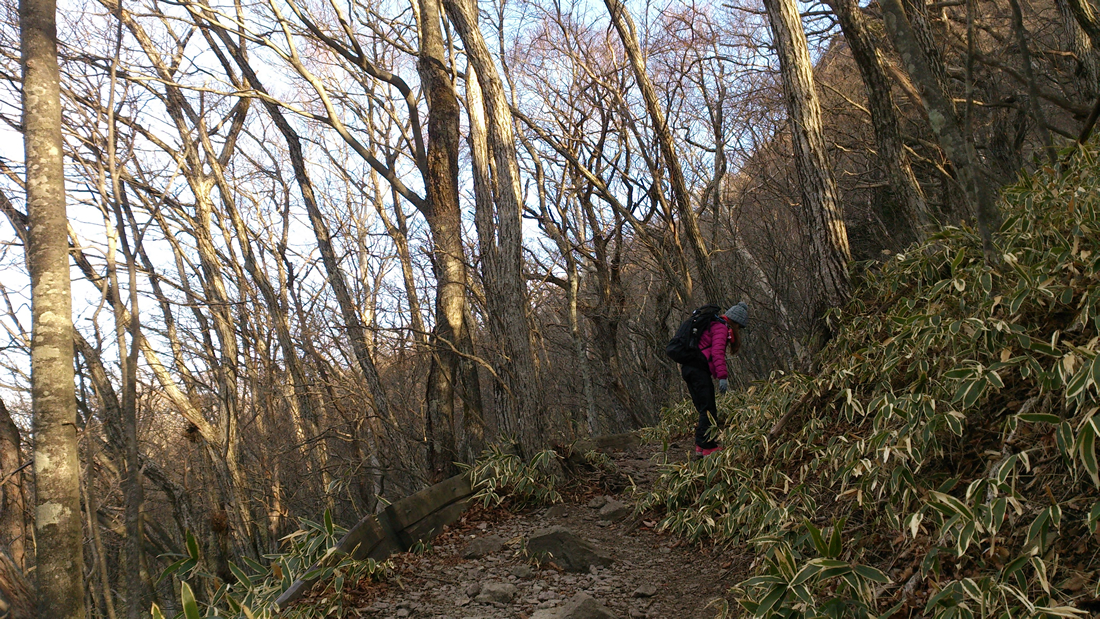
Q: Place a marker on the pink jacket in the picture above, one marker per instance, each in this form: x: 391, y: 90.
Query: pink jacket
x: 713, y: 345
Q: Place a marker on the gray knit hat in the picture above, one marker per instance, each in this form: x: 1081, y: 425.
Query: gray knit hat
x: 739, y: 313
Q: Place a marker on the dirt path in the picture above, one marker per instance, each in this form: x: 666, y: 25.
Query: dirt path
x: 651, y: 576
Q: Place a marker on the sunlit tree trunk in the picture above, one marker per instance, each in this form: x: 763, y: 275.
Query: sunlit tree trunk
x: 59, y: 550
x: 497, y: 200
x: 452, y: 378
x: 824, y: 218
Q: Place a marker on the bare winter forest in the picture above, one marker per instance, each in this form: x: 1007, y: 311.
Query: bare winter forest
x: 322, y: 251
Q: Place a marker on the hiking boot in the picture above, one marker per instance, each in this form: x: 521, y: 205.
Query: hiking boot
x: 701, y: 453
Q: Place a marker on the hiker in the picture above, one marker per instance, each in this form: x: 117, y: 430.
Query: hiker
x: 723, y: 330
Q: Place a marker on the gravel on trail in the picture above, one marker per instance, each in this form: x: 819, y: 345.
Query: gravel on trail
x: 478, y: 568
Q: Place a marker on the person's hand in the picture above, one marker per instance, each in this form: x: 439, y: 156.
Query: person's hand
x: 723, y: 385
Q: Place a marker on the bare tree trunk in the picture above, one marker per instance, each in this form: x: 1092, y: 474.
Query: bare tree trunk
x: 891, y: 150
x: 500, y: 232
x: 452, y: 377
x: 1086, y: 18
x: 59, y: 550
x: 624, y: 25
x: 827, y: 232
x: 13, y: 526
x: 136, y: 578
x: 99, y: 555
x: 917, y: 12
x: 1082, y: 47
x: 945, y: 123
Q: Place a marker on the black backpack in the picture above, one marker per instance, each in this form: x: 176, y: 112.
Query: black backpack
x: 684, y: 346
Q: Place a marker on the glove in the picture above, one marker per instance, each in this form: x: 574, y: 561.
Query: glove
x: 723, y: 385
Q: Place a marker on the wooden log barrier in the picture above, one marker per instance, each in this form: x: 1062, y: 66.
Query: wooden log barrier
x: 396, y: 528
x: 417, y: 517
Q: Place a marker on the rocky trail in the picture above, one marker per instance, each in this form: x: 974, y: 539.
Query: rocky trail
x: 606, y: 562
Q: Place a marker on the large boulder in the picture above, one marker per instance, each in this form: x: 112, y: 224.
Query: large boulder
x: 580, y: 606
x: 566, y: 550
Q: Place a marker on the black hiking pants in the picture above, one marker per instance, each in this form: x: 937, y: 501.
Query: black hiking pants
x: 701, y: 388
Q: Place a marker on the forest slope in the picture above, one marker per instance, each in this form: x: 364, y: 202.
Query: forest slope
x: 942, y: 462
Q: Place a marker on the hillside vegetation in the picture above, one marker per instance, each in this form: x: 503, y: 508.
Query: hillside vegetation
x: 942, y: 462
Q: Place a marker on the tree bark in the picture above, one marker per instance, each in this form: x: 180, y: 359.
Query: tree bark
x: 452, y: 377
x: 945, y: 123
x: 624, y: 25
x: 500, y: 233
x: 1088, y: 76
x: 59, y: 551
x: 891, y: 150
x: 13, y: 526
x: 1086, y: 18
x: 827, y: 232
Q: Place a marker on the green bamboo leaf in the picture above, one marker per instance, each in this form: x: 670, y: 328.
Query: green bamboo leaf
x: 172, y: 569
x: 1016, y: 302
x: 254, y: 565
x: 239, y: 573
x: 775, y: 595
x: 833, y: 572
x: 872, y: 574
x: 1094, y: 517
x: 330, y: 528
x: 1078, y: 383
x: 959, y: 257
x: 767, y: 579
x: 155, y: 612
x: 1039, y: 525
x: 1044, y: 348
x: 999, y: 507
x: 954, y: 505
x: 972, y: 589
x: 192, y: 546
x: 1014, y: 566
x: 959, y: 373
x: 807, y: 572
x: 187, y: 599
x: 987, y: 282
x: 994, y: 379
x: 1067, y: 440
x: 819, y: 541
x: 1039, y: 418
x: 834, y: 540
x: 1086, y: 447
x: 971, y: 396
x: 1041, y: 572
x: 1006, y: 468
x: 954, y: 423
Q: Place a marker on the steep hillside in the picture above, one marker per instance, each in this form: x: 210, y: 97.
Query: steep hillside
x: 943, y: 460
